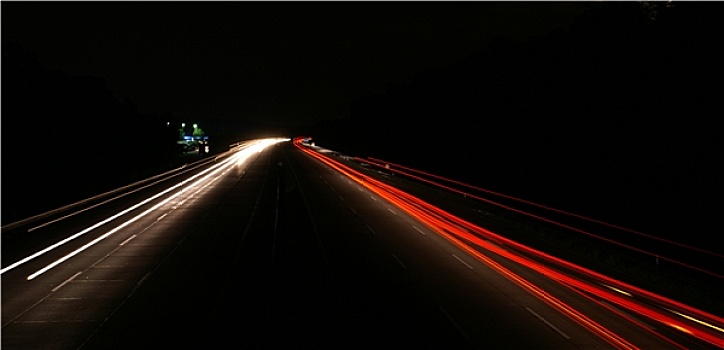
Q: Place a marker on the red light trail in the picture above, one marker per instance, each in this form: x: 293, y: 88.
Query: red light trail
x: 565, y: 226
x: 388, y: 166
x: 471, y: 238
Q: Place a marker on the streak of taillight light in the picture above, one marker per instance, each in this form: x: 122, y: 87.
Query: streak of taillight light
x: 443, y: 227
x: 661, y: 300
x: 440, y: 226
x: 630, y: 319
x: 574, y: 314
x: 594, y: 289
x: 454, y: 231
x: 591, y: 288
x: 451, y: 232
x: 381, y: 164
x: 568, y: 227
x: 374, y: 185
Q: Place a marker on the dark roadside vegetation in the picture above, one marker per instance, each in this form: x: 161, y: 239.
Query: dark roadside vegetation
x: 613, y: 118
x: 66, y: 138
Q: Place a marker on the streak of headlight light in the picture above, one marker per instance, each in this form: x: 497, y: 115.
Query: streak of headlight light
x: 216, y: 169
x: 70, y: 238
x: 117, y: 228
x: 698, y: 321
x: 66, y: 240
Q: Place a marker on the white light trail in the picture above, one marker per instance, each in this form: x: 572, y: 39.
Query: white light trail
x: 101, y: 223
x: 240, y: 156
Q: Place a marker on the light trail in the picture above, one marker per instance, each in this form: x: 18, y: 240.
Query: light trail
x: 707, y: 324
x: 631, y: 319
x: 468, y: 237
x: 391, y: 194
x: 596, y: 289
x: 383, y: 164
x: 100, y: 223
x: 241, y: 155
x: 574, y: 229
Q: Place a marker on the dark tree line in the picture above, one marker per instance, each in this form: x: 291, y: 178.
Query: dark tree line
x: 617, y: 116
x: 65, y: 138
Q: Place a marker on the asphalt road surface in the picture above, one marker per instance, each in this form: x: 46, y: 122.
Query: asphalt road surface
x: 278, y: 252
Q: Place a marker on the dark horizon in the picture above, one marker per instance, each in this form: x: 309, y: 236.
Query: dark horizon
x: 285, y: 62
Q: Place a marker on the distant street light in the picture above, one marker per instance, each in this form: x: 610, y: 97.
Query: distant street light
x: 181, y: 131
x: 197, y: 132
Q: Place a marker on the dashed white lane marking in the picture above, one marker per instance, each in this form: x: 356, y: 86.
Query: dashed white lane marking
x: 399, y: 261
x: 548, y: 323
x: 462, y: 261
x: 143, y: 279
x: 455, y: 324
x: 392, y: 211
x: 418, y: 230
x: 128, y: 240
x: 371, y: 230
x: 67, y: 281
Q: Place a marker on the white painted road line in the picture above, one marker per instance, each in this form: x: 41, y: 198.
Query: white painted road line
x: 399, y: 261
x: 371, y: 230
x: 463, y: 262
x: 127, y: 240
x: 548, y: 323
x: 67, y: 281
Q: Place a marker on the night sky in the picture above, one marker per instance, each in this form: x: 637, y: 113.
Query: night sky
x: 284, y: 62
x: 606, y: 109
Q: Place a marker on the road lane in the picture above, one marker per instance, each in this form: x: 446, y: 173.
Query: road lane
x: 288, y: 253
x: 62, y: 307
x: 689, y: 332
x: 622, y: 325
x: 474, y: 305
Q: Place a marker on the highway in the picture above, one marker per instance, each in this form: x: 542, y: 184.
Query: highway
x: 282, y: 245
